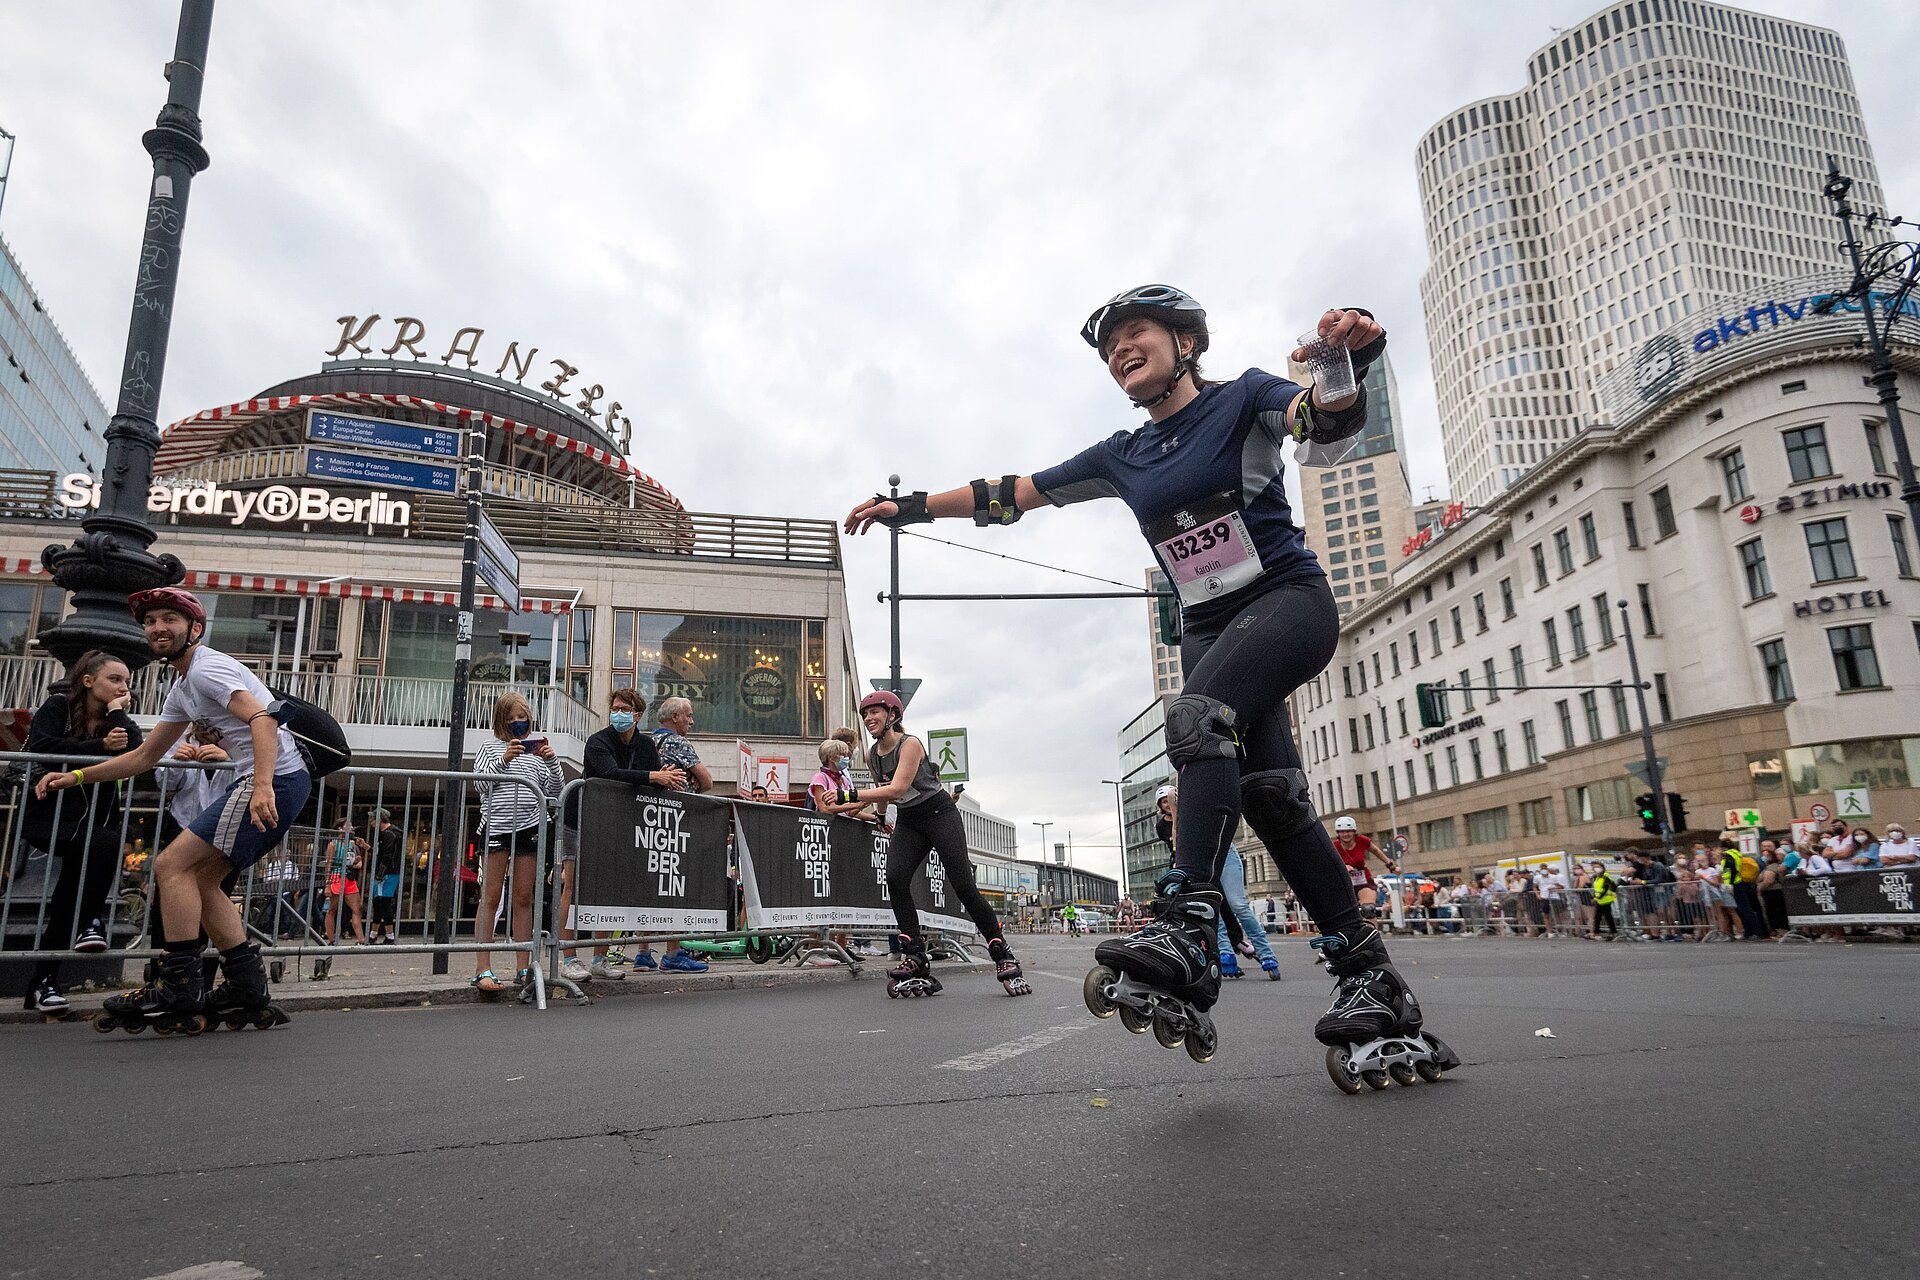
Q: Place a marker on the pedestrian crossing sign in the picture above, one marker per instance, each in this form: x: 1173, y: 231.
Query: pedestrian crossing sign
x: 1852, y: 802
x: 947, y: 748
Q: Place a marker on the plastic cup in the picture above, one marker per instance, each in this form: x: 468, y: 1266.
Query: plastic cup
x: 1330, y: 366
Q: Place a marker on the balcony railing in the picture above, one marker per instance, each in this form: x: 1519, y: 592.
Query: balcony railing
x: 352, y: 698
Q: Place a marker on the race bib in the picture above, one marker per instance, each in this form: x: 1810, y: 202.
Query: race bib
x: 1205, y: 549
x: 1358, y: 875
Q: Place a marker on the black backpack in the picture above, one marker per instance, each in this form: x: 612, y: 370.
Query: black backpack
x: 322, y: 743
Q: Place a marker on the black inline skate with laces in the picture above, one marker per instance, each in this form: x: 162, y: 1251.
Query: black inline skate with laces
x: 1372, y: 1028
x: 1166, y: 976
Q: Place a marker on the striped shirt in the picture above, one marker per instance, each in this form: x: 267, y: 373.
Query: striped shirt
x: 507, y: 809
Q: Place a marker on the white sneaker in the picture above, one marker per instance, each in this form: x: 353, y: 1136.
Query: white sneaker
x: 601, y: 969
x: 573, y: 971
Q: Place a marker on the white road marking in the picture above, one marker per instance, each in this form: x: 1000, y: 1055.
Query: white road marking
x: 1013, y: 1048
x: 1075, y: 978
x: 214, y: 1271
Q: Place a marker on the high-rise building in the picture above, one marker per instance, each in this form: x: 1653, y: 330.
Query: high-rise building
x: 1166, y: 657
x: 1358, y: 515
x: 1664, y: 154
x: 51, y: 417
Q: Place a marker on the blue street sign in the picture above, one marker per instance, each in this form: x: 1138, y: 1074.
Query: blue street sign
x: 387, y: 473
x: 378, y: 433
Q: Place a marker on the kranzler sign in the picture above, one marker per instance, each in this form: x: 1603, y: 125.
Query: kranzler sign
x: 274, y: 504
x: 651, y: 859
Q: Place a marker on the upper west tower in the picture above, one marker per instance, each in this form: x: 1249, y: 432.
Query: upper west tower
x: 1664, y: 153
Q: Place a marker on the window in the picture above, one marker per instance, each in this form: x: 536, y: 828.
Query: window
x: 1660, y: 694
x: 1360, y: 790
x: 1877, y: 451
x: 1500, y: 750
x: 1433, y: 634
x: 1433, y: 776
x: 1400, y: 706
x: 746, y: 677
x: 1368, y: 720
x: 1830, y: 550
x: 1563, y: 551
x: 1518, y: 659
x: 1437, y: 834
x: 1854, y: 662
x: 1600, y: 801
x: 1413, y: 647
x: 1539, y: 565
x: 1553, y: 644
x: 1506, y: 597
x: 1623, y: 722
x: 1412, y: 791
x: 1537, y: 816
x: 1459, y: 633
x: 1564, y: 709
x: 1633, y: 524
x: 1493, y: 679
x: 1393, y: 655
x: 1733, y: 470
x: 1466, y: 689
x: 1377, y: 679
x: 1589, y: 537
x: 1485, y: 826
x: 1531, y: 741
x: 1773, y: 660
x: 1479, y: 611
x: 1590, y: 708
x: 1807, y: 453
x: 1353, y: 733
x: 1346, y: 679
x: 1663, y: 523
x: 1753, y: 563
x: 1473, y: 758
x: 1897, y: 530
x: 1453, y: 766
x: 1577, y: 630
x: 1605, y: 618
x: 1646, y: 610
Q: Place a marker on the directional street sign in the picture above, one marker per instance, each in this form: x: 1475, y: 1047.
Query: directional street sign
x: 505, y: 585
x: 495, y: 544
x: 1638, y: 768
x: 1737, y: 818
x: 1853, y: 802
x: 909, y: 685
x: 378, y: 433
x: 385, y: 473
x: 948, y: 749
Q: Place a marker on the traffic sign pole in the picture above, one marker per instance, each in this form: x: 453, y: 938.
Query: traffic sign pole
x: 454, y: 810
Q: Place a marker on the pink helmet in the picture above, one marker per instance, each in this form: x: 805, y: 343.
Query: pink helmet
x: 179, y: 599
x: 883, y: 698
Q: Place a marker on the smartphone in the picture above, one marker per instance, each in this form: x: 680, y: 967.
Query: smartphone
x: 533, y: 742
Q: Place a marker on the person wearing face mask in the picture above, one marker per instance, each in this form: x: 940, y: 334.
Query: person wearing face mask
x: 512, y: 819
x: 1896, y: 850
x: 1865, y: 855
x: 624, y: 752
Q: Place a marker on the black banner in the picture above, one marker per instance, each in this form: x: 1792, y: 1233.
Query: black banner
x: 1854, y: 897
x: 804, y: 870
x: 650, y: 859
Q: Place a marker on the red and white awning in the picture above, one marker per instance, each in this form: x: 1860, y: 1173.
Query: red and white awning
x: 193, y: 439
x: 198, y: 580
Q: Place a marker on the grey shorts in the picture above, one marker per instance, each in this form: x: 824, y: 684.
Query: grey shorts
x: 568, y: 844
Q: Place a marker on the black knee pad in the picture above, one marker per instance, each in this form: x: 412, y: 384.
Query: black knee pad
x: 1278, y: 803
x: 1200, y: 728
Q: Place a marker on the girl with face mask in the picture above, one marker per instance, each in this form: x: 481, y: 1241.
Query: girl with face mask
x: 513, y: 818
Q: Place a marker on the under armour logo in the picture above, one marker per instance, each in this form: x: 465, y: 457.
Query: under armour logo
x: 1172, y: 443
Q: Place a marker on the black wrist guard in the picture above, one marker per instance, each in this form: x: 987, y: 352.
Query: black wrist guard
x: 1324, y: 426
x: 993, y: 503
x: 913, y: 509
x: 1364, y: 358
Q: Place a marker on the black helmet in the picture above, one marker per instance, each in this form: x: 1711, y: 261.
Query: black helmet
x: 1161, y: 302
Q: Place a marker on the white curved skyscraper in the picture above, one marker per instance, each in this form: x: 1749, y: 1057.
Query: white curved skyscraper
x: 1664, y: 153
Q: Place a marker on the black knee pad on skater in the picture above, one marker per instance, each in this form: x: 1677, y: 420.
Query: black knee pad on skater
x: 1200, y: 728
x: 1277, y: 803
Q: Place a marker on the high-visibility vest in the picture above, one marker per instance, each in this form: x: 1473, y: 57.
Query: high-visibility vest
x: 1603, y: 890
x: 1729, y: 868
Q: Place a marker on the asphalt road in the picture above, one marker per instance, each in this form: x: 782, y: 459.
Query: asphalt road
x: 1711, y: 1110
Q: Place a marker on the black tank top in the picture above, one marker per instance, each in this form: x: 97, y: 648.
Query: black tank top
x: 926, y: 780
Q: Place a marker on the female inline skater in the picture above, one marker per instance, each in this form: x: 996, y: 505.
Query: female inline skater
x: 1354, y: 850
x: 928, y: 819
x: 1203, y: 479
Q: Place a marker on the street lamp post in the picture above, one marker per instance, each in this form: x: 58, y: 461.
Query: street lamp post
x: 1884, y: 277
x: 1120, y: 817
x: 110, y: 560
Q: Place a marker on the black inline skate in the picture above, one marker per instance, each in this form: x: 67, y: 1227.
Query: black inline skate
x: 172, y: 1003
x: 913, y: 976
x: 1166, y: 976
x: 1008, y: 972
x: 244, y: 999
x: 1372, y: 1028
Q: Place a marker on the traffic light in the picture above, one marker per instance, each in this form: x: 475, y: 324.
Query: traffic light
x: 1433, y: 704
x: 1676, y: 811
x: 1167, y: 611
x: 1649, y: 813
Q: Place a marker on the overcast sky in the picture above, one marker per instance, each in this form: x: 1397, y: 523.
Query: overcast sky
x: 809, y: 244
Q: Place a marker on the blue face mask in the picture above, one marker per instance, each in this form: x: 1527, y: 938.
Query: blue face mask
x: 519, y: 728
x: 621, y: 721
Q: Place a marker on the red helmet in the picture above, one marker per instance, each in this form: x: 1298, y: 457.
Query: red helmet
x: 178, y: 599
x: 882, y: 698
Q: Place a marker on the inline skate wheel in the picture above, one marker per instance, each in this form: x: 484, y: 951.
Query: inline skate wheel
x: 1374, y: 1079
x: 1402, y: 1073
x: 277, y: 970
x: 1202, y: 1042
x: 1427, y: 1071
x: 1094, y: 991
x: 103, y: 1024
x: 1340, y: 1069
x: 1168, y: 1032
x: 1135, y: 1020
x: 891, y: 993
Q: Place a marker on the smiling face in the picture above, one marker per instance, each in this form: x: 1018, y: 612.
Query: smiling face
x: 169, y: 632
x: 1141, y: 356
x: 876, y: 719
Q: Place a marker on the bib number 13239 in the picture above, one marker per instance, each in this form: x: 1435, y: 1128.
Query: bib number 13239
x: 1205, y: 549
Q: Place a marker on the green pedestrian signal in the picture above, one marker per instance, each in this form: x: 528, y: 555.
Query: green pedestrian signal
x: 1432, y: 699
x: 1649, y: 812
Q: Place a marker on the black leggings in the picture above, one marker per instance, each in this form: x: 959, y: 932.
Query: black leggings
x: 934, y: 824
x: 1251, y: 662
x: 1603, y: 915
x: 83, y: 886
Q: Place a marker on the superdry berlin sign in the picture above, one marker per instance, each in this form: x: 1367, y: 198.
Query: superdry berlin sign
x: 275, y: 504
x: 409, y: 333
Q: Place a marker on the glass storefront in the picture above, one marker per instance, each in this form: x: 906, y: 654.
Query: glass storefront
x: 750, y: 677
x: 1865, y: 762
x: 26, y: 611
